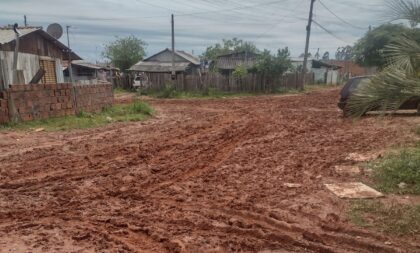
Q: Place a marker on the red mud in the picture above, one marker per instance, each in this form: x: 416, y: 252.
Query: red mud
x: 202, y: 176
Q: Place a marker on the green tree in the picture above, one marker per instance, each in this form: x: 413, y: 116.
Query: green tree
x: 273, y: 65
x: 228, y: 46
x: 125, y: 52
x: 400, y: 80
x: 369, y: 50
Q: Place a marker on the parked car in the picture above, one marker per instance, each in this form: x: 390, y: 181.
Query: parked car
x: 353, y: 83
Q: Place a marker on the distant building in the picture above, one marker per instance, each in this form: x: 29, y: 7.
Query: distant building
x: 37, y: 50
x: 350, y: 69
x: 227, y: 63
x: 324, y: 72
x: 161, y: 62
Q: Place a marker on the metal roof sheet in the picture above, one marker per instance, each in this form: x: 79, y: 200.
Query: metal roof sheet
x: 8, y: 35
x: 159, y: 66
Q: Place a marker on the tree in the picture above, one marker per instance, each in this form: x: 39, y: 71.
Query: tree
x: 273, y: 66
x: 344, y: 53
x: 228, y: 46
x: 369, y: 50
x: 400, y: 80
x: 125, y: 52
x: 326, y: 56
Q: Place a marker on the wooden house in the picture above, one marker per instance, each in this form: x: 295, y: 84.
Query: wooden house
x: 37, y: 50
x: 161, y: 62
x: 227, y: 63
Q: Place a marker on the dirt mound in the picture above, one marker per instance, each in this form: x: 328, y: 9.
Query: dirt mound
x: 203, y: 176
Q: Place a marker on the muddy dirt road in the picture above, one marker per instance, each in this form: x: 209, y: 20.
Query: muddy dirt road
x: 202, y: 176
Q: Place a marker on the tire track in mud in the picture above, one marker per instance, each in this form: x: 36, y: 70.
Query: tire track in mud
x: 206, y: 176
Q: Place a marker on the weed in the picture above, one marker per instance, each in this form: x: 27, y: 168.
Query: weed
x: 394, y: 219
x: 394, y: 169
x: 135, y: 111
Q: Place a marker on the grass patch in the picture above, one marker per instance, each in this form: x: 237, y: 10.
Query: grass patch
x: 394, y: 169
x: 135, y: 111
x: 119, y: 90
x: 171, y: 92
x: 393, y: 219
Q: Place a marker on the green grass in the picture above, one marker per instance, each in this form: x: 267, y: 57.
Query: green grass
x: 120, y: 90
x: 135, y: 111
x: 395, y: 219
x: 395, y: 168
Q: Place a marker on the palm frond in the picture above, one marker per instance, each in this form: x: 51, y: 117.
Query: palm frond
x: 404, y: 53
x: 405, y: 9
x: 387, y: 91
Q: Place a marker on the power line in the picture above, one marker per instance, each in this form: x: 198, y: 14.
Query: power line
x: 329, y: 32
x: 339, y: 18
x: 275, y: 25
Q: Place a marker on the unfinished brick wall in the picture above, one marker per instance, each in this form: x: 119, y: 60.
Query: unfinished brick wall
x: 42, y: 101
x: 4, y: 110
x: 92, y: 98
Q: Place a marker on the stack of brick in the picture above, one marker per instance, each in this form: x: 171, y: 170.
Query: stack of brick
x: 4, y: 110
x: 93, y: 98
x: 42, y: 101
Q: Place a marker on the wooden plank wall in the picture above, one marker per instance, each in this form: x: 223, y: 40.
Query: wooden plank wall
x: 249, y: 83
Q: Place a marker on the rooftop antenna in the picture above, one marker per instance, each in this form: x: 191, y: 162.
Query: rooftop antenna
x: 25, y: 21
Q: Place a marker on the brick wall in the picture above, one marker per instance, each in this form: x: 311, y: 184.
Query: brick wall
x: 92, y: 98
x: 41, y: 101
x: 4, y: 110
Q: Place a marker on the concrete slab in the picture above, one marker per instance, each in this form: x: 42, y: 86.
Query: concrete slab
x: 355, y: 190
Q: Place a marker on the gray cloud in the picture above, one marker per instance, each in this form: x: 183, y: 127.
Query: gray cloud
x: 270, y: 24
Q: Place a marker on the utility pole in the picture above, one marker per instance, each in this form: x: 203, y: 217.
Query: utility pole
x: 69, y: 60
x: 308, y: 36
x: 25, y: 21
x: 173, y: 74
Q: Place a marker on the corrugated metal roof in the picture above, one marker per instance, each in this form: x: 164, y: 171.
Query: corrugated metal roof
x: 189, y: 57
x: 8, y: 35
x: 159, y: 66
x: 86, y: 65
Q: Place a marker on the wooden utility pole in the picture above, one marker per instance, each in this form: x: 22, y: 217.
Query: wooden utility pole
x: 173, y: 74
x: 69, y: 60
x: 308, y: 36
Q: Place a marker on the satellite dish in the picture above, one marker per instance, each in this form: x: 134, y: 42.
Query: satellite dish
x: 55, y: 30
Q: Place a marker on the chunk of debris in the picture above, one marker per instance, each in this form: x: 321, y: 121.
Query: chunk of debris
x: 362, y: 157
x: 292, y: 185
x: 39, y: 130
x: 343, y: 169
x: 402, y: 185
x: 354, y: 190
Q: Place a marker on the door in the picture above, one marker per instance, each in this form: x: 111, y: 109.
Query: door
x: 49, y: 67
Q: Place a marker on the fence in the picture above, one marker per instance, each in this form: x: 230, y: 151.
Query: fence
x: 249, y: 83
x: 41, y: 101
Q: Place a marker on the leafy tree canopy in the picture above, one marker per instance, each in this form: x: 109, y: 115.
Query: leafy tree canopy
x: 273, y: 65
x: 125, y: 52
x: 228, y: 46
x: 369, y: 50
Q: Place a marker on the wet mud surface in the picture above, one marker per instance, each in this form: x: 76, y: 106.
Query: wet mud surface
x: 225, y: 175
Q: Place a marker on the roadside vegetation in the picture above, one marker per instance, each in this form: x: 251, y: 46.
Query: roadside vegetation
x: 136, y: 111
x: 397, y: 173
x: 170, y: 92
x: 395, y: 219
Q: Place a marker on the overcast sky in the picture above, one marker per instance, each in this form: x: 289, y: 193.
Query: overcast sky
x: 270, y: 24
